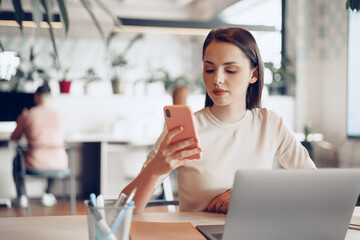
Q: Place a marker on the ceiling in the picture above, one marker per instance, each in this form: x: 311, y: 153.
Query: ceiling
x: 181, y: 13
x: 192, y: 10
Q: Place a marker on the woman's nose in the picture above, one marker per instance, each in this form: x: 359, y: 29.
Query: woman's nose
x: 219, y: 78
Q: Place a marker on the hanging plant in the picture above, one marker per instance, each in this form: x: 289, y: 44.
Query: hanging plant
x: 118, y: 60
x: 47, y: 6
x: 353, y: 5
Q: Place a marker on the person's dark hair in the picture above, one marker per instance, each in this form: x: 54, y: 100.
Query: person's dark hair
x: 244, y: 40
x: 43, y: 90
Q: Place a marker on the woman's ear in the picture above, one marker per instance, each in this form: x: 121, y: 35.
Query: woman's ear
x: 254, y: 75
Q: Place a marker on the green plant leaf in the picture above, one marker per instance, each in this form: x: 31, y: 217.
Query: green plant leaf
x: 110, y: 37
x: 46, y: 5
x: 64, y: 15
x: 116, y: 20
x: 32, y: 56
x: 353, y: 4
x: 37, y: 14
x: 19, y: 13
x: 2, y: 49
x: 132, y: 41
x: 88, y: 7
x: 358, y: 5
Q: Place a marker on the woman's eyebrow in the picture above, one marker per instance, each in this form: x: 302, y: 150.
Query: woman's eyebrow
x: 230, y: 63
x: 227, y: 63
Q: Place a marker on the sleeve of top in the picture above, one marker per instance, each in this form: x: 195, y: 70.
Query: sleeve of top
x: 153, y: 153
x: 291, y: 153
x: 20, y: 126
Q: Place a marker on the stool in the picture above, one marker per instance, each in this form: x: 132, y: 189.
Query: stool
x: 62, y: 174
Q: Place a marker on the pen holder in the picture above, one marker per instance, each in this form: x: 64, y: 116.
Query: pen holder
x: 109, y: 222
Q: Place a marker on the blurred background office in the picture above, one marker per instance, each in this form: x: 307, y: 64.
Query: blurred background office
x: 111, y: 80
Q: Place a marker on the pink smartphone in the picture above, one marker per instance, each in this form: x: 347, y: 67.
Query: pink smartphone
x: 181, y: 115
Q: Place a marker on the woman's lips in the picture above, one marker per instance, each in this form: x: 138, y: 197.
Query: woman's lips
x: 219, y: 92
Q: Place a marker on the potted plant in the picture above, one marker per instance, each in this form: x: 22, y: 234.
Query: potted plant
x: 65, y: 83
x: 283, y: 81
x: 169, y: 84
x: 27, y: 72
x: 118, y: 62
x: 89, y: 77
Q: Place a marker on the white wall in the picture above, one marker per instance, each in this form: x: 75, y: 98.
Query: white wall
x: 177, y: 54
x: 317, y: 42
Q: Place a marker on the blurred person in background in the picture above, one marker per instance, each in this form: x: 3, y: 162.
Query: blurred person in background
x: 44, y: 130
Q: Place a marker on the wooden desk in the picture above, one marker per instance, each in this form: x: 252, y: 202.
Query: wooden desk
x: 75, y: 227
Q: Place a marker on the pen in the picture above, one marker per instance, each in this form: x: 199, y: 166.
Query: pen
x: 122, y: 213
x: 131, y: 196
x: 126, y: 222
x: 93, y: 201
x: 104, y: 228
x: 123, y: 200
x: 120, y: 218
x: 101, y: 205
x: 119, y: 202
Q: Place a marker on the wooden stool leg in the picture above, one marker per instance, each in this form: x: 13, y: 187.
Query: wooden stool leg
x: 64, y: 192
x: 72, y: 192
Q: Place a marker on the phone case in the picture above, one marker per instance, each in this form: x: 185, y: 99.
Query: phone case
x: 181, y: 115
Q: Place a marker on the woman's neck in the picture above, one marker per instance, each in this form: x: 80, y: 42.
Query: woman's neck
x: 228, y: 113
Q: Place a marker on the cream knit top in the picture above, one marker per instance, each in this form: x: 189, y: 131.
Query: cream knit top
x: 251, y: 143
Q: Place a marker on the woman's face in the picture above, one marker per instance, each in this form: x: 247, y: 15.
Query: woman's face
x: 227, y: 74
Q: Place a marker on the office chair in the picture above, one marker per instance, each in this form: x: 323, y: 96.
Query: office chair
x: 325, y: 154
x: 62, y: 174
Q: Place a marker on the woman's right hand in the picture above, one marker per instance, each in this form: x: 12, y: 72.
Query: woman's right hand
x: 169, y: 157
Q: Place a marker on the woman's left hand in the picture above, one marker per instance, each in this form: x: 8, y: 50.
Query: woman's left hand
x: 220, y: 203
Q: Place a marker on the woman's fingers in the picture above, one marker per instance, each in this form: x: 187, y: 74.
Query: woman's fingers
x: 192, y: 142
x: 171, y: 156
x: 218, y: 205
x: 212, y: 204
x: 180, y: 158
x: 169, y: 149
x: 172, y: 133
x: 182, y: 155
x: 225, y: 206
x: 221, y: 202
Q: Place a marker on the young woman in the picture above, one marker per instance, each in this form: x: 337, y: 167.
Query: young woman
x: 234, y: 131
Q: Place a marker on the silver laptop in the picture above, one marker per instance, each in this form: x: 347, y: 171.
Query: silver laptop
x: 289, y: 204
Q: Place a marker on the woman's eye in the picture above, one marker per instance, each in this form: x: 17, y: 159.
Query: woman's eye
x: 209, y: 70
x: 231, y: 71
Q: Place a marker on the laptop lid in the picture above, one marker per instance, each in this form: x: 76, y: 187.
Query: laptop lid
x: 292, y: 204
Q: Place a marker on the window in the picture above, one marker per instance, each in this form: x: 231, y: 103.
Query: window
x: 266, y: 13
x: 353, y: 101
